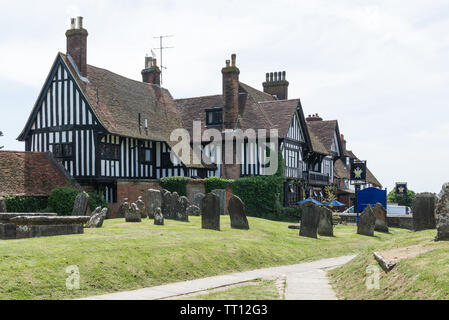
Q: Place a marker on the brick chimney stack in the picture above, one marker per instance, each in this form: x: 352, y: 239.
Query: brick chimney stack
x: 151, y: 74
x: 77, y: 45
x: 276, y: 85
x: 230, y: 93
x: 343, y: 142
x: 314, y: 117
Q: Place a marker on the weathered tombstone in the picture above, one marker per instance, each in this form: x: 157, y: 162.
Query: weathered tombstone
x: 80, y: 205
x: 181, y: 212
x: 367, y: 221
x: 442, y: 214
x: 173, y: 206
x: 309, y: 220
x: 198, y: 199
x: 423, y: 210
x: 381, y: 218
x: 221, y: 193
x: 122, y: 208
x: 141, y: 205
x: 2, y: 205
x: 97, y: 218
x: 325, y: 225
x: 158, y: 217
x: 166, y: 200
x: 193, y: 210
x: 132, y: 214
x: 210, y: 214
x: 154, y: 198
x: 237, y: 213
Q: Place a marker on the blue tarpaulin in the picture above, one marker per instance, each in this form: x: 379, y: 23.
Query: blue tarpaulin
x: 334, y: 203
x: 310, y: 200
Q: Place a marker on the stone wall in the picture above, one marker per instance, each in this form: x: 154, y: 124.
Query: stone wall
x: 393, y: 221
x: 193, y: 187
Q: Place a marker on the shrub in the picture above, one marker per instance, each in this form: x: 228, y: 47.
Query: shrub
x: 26, y: 204
x: 175, y: 184
x: 214, y: 183
x: 291, y: 214
x: 96, y: 199
x: 61, y: 200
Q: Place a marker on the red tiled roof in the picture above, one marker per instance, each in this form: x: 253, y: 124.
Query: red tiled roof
x: 30, y: 174
x: 324, y: 131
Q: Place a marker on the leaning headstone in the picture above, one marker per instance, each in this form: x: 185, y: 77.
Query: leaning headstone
x: 193, y: 210
x: 442, y: 214
x: 122, y: 207
x: 141, y: 205
x: 158, y: 217
x: 309, y: 220
x: 132, y: 214
x: 381, y: 218
x: 198, y: 199
x: 97, y: 218
x: 154, y: 198
x: 210, y: 214
x: 2, y: 205
x: 80, y: 205
x: 325, y: 225
x: 237, y: 213
x: 367, y: 221
x: 181, y: 209
x: 423, y: 210
x: 221, y: 193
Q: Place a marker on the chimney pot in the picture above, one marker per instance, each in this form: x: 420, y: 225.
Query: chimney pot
x: 271, y: 76
x: 268, y: 77
x: 80, y: 22
x: 283, y: 75
x: 228, y: 63
x: 233, y: 57
x: 72, y: 23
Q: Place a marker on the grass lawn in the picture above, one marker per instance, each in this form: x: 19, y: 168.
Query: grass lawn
x: 423, y: 277
x: 125, y: 256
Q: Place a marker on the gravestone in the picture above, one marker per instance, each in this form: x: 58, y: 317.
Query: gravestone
x: 442, y: 214
x: 141, y: 206
x: 221, y: 193
x: 325, y: 225
x: 2, y: 205
x: 173, y: 206
x: 181, y: 209
x: 80, y: 205
x: 132, y: 214
x: 166, y: 200
x: 309, y: 220
x: 154, y: 198
x: 210, y: 214
x: 381, y: 218
x: 423, y: 210
x: 97, y: 218
x: 198, y: 200
x: 193, y: 210
x: 158, y: 217
x: 122, y: 207
x: 237, y: 213
x: 367, y: 221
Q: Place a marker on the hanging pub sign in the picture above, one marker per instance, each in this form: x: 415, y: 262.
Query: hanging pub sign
x: 401, y: 188
x: 358, y: 171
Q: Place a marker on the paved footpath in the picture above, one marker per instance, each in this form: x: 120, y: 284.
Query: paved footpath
x: 305, y: 281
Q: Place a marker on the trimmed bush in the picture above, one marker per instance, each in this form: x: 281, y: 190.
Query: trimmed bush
x: 96, y: 199
x: 175, y: 184
x: 61, y: 200
x: 214, y: 183
x: 26, y: 204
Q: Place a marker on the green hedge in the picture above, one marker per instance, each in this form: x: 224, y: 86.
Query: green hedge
x: 96, y: 199
x: 26, y: 204
x: 61, y: 200
x: 175, y: 184
x: 214, y: 183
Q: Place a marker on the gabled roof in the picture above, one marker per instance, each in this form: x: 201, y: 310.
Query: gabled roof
x: 325, y: 131
x: 31, y: 174
x: 342, y: 171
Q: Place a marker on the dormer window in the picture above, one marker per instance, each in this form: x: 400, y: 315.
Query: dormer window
x: 214, y: 117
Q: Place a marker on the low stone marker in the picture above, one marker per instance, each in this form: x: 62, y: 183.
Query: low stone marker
x: 181, y: 209
x: 381, y: 218
x: 47, y: 226
x: 442, y: 214
x: 237, y: 213
x: 141, y: 206
x: 154, y: 198
x: 198, y: 200
x: 309, y: 220
x: 193, y: 210
x: 221, y: 193
x: 423, y: 210
x: 8, y: 229
x: 158, y: 217
x: 122, y: 207
x: 210, y: 214
x: 367, y: 221
x: 132, y: 214
x: 325, y: 225
x: 2, y: 205
x: 97, y: 218
x: 81, y: 204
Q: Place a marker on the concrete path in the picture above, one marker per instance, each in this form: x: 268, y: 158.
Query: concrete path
x: 305, y: 281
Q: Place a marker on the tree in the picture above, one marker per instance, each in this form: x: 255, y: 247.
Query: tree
x: 330, y: 193
x: 400, y: 199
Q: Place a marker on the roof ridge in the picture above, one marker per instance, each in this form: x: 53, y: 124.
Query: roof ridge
x: 208, y: 96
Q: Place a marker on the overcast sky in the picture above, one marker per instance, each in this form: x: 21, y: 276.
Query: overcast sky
x: 381, y: 68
